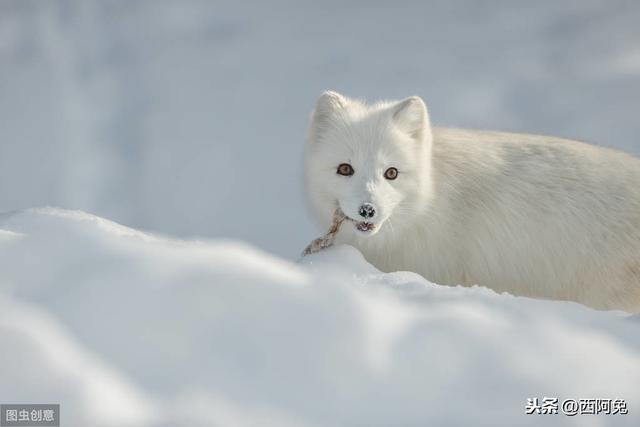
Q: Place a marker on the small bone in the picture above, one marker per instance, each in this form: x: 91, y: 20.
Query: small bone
x: 327, y: 240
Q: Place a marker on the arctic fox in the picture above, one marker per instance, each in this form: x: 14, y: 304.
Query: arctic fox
x: 529, y: 215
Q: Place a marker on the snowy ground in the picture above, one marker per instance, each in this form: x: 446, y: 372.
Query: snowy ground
x: 133, y: 329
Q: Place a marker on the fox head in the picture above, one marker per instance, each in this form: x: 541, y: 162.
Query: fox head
x: 371, y: 161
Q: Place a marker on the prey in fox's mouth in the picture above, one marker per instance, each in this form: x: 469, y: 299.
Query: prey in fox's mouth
x: 328, y: 238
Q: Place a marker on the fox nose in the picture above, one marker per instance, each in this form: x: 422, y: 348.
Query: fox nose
x: 367, y: 210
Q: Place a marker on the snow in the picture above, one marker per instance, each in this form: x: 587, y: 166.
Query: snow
x: 128, y: 328
x: 41, y: 362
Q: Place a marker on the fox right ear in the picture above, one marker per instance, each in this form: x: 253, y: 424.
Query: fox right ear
x: 328, y: 103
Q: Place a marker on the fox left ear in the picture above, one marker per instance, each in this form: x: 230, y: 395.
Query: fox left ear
x: 411, y: 116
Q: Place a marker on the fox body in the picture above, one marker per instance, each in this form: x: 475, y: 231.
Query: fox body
x: 529, y: 215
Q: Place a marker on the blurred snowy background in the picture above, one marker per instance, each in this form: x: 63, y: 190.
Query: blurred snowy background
x: 188, y: 117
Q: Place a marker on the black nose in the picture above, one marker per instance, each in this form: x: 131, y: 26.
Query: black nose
x: 367, y: 210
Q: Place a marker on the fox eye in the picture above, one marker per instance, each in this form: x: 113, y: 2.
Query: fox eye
x: 391, y: 173
x: 345, y: 169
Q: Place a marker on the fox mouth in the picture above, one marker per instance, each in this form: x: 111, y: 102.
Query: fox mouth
x: 362, y: 226
x: 365, y: 227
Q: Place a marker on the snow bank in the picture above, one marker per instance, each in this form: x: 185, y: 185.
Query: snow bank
x: 126, y: 328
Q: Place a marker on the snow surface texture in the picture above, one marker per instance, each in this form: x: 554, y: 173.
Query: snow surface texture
x: 125, y: 328
x: 188, y: 117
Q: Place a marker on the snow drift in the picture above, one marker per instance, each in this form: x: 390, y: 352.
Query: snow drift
x: 126, y: 328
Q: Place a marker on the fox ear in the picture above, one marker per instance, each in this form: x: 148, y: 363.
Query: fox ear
x: 328, y: 103
x: 411, y: 116
x: 328, y: 107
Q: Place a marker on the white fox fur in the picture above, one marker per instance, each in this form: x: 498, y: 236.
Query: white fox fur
x: 530, y: 215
